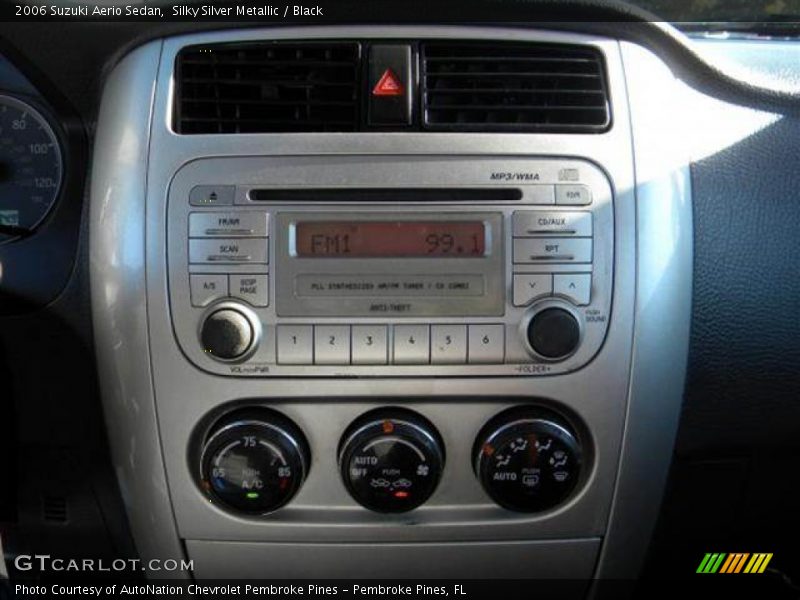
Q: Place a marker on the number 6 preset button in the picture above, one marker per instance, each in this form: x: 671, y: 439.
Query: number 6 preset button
x: 369, y: 345
x: 412, y: 345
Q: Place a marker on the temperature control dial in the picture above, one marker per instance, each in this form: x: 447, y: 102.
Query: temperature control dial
x: 254, y: 461
x: 391, y: 460
x: 527, y: 460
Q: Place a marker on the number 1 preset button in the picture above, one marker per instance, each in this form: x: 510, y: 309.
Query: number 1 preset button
x: 295, y: 344
x: 370, y: 345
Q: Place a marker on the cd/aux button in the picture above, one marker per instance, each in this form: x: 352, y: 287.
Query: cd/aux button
x: 540, y: 222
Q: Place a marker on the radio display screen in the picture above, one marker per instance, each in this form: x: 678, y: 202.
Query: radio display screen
x: 390, y: 239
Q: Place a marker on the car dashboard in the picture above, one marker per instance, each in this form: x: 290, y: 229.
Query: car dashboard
x: 390, y: 301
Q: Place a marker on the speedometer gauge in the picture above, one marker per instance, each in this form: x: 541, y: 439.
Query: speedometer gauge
x: 31, y: 167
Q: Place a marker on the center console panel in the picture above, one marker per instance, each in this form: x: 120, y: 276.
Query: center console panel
x: 412, y: 350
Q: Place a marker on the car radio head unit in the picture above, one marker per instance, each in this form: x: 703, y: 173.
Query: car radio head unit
x: 358, y: 264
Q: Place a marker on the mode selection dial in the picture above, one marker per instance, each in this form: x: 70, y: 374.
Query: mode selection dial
x: 391, y: 460
x: 254, y: 461
x: 528, y: 460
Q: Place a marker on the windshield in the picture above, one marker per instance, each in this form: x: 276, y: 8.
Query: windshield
x: 739, y: 13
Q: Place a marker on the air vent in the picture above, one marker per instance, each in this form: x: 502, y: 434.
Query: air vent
x: 513, y: 87
x: 267, y: 87
x: 54, y: 509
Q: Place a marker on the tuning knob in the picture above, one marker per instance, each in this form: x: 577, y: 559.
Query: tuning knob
x: 229, y: 332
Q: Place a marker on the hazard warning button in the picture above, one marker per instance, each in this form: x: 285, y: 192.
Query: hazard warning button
x: 390, y: 85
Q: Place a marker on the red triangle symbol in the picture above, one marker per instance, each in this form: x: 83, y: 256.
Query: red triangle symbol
x: 388, y: 85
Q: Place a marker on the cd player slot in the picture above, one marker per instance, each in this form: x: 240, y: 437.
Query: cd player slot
x: 386, y: 194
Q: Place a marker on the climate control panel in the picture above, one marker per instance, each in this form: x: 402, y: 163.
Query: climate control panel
x: 254, y: 460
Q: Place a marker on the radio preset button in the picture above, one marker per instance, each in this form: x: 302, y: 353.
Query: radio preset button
x: 576, y: 195
x: 411, y: 344
x: 369, y: 345
x: 531, y: 286
x: 576, y: 287
x: 228, y: 251
x: 552, y: 250
x: 295, y: 344
x: 448, y: 344
x: 207, y: 288
x: 535, y: 222
x: 487, y: 343
x: 228, y: 224
x: 332, y: 344
x: 252, y: 288
x: 212, y: 195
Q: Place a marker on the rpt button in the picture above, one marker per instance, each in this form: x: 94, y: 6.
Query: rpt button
x: 552, y: 250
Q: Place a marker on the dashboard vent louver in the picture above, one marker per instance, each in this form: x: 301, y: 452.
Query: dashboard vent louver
x: 267, y: 87
x: 513, y: 87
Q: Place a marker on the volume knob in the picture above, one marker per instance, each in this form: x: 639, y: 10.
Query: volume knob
x: 228, y: 333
